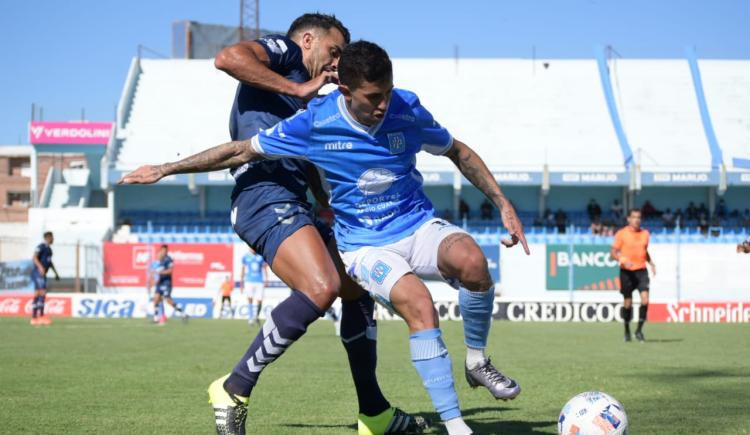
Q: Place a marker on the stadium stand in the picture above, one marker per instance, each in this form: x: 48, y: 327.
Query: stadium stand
x: 544, y: 128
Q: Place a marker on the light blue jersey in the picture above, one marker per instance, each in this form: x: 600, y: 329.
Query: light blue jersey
x: 369, y: 172
x: 253, y: 267
x: 154, y: 269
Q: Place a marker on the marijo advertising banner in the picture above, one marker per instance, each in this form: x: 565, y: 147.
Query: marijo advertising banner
x: 69, y: 133
x: 15, y: 276
x: 592, y: 268
x: 20, y: 305
x: 196, y: 265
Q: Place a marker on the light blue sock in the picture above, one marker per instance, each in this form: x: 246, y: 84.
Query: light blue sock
x: 430, y: 357
x: 476, y: 310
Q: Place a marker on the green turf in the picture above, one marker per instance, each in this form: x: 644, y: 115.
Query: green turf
x: 126, y: 376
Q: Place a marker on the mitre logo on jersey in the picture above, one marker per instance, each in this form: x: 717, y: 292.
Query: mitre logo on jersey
x: 375, y: 181
x: 397, y: 142
x: 338, y: 146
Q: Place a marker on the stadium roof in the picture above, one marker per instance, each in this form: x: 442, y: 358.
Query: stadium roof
x: 557, y: 121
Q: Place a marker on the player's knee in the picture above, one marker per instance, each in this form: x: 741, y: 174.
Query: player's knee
x: 474, y: 273
x: 325, y: 290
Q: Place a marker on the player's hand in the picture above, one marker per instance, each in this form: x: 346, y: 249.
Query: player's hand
x: 57, y: 277
x: 653, y: 269
x: 146, y: 174
x: 309, y: 90
x: 515, y: 228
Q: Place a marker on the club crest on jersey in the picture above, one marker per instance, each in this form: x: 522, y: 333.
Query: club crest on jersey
x: 397, y: 142
x: 379, y: 271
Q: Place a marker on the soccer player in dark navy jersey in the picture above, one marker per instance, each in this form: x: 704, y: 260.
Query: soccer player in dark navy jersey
x: 42, y: 260
x: 164, y: 287
x: 278, y: 74
x: 364, y: 138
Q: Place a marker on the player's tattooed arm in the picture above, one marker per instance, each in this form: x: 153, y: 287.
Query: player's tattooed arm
x: 228, y: 155
x: 475, y: 170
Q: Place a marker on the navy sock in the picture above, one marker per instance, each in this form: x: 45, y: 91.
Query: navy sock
x: 41, y: 305
x: 642, y: 315
x: 627, y: 315
x: 359, y: 336
x: 35, y: 306
x: 287, y: 323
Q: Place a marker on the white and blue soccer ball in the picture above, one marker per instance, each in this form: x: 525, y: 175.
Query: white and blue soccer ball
x: 592, y: 413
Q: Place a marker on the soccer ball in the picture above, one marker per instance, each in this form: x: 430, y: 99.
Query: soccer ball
x: 592, y: 413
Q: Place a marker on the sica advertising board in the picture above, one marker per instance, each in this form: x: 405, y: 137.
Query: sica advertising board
x: 590, y: 265
x: 196, y: 265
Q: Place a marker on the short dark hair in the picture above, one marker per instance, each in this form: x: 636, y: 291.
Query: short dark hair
x: 364, y: 61
x: 633, y: 210
x: 164, y: 247
x: 47, y: 234
x: 318, y: 21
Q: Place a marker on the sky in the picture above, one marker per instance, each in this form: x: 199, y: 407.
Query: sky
x: 71, y: 57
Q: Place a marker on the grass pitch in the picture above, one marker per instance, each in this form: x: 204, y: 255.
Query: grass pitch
x: 127, y: 376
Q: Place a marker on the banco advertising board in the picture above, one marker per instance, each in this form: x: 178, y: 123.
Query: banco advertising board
x: 592, y: 268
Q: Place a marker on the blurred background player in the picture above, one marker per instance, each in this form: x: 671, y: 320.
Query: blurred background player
x: 278, y: 74
x: 164, y: 287
x: 225, y: 293
x: 630, y: 249
x: 744, y: 247
x: 151, y: 280
x: 256, y: 278
x: 42, y: 263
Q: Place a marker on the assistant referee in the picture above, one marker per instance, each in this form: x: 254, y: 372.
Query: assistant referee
x: 630, y: 249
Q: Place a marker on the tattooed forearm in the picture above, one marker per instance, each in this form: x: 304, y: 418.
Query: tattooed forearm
x: 228, y: 155
x: 474, y: 169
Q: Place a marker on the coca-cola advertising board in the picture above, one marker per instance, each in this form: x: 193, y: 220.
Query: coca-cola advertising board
x: 20, y: 305
x: 196, y: 265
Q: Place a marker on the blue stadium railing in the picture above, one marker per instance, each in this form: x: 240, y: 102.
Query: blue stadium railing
x: 214, y: 227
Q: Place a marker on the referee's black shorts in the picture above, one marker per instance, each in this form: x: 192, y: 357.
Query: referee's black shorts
x: 631, y: 280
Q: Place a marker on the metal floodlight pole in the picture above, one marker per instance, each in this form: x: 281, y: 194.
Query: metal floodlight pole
x: 249, y: 13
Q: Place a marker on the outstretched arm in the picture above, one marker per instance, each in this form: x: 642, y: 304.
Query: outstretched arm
x: 228, y: 155
x: 474, y: 169
x: 248, y: 62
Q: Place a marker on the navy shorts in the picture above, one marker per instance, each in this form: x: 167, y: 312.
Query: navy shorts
x: 265, y: 227
x: 40, y: 282
x: 164, y: 289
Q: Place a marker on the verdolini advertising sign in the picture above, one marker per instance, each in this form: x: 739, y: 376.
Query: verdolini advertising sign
x: 69, y: 133
x: 196, y: 265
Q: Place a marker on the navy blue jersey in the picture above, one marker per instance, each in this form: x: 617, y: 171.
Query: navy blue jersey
x: 164, y: 264
x: 44, y: 253
x: 255, y: 110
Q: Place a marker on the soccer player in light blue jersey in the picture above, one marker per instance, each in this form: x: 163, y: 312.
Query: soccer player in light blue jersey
x: 364, y: 139
x: 277, y: 75
x: 255, y: 275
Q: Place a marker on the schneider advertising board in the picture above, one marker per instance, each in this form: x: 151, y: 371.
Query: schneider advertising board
x: 592, y: 268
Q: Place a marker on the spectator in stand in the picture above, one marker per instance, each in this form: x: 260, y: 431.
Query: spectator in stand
x: 679, y: 217
x: 609, y: 229
x: 703, y: 222
x: 549, y: 218
x: 596, y: 227
x: 668, y: 218
x: 702, y: 209
x: 616, y: 210
x: 561, y: 220
x: 746, y: 218
x: 594, y: 209
x: 648, y: 210
x: 691, y: 211
x: 721, y: 209
x: 463, y: 210
x: 485, y: 210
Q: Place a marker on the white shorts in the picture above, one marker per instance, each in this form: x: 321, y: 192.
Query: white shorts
x: 378, y: 268
x: 254, y: 290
